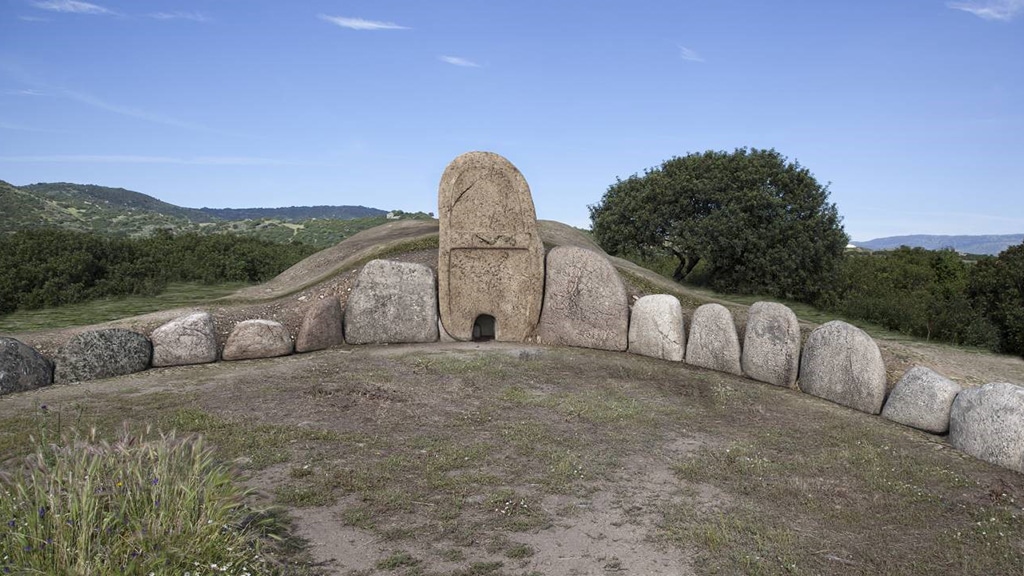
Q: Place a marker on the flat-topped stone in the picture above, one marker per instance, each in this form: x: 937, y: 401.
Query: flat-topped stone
x: 190, y: 339
x: 251, y: 339
x: 490, y: 257
x: 585, y: 302
x: 843, y: 364
x: 771, y: 344
x: 22, y: 367
x: 392, y: 303
x: 713, y: 342
x: 102, y: 354
x: 656, y: 328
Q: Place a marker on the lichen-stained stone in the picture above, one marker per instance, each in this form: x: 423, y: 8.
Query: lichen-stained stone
x: 585, y: 302
x: 771, y: 344
x: 713, y: 342
x: 252, y: 339
x: 843, y: 364
x: 321, y: 327
x: 391, y: 303
x: 490, y: 257
x: 102, y: 354
x: 22, y: 367
x: 922, y: 399
x: 190, y: 339
x: 988, y: 423
x: 656, y: 328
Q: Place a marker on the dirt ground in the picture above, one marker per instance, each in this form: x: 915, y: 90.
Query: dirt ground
x: 513, y: 459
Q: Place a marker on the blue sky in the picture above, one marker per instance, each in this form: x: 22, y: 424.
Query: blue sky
x: 913, y: 110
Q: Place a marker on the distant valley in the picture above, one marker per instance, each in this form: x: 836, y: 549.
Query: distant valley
x: 116, y: 211
x: 981, y: 244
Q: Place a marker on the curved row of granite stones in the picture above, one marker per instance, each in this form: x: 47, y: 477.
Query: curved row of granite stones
x: 396, y: 302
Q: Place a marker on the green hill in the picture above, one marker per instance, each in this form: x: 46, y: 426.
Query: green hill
x: 121, y: 212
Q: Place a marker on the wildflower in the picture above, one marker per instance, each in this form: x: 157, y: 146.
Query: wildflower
x: 42, y: 511
x: 12, y: 523
x: 154, y: 481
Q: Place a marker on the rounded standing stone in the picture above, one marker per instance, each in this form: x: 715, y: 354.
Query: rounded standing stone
x: 490, y: 255
x: 252, y: 339
x: 391, y: 303
x: 22, y: 367
x: 988, y: 423
x: 102, y: 354
x: 656, y: 328
x: 190, y: 339
x: 841, y: 363
x: 321, y: 327
x: 585, y: 302
x: 771, y: 344
x: 922, y: 399
x: 713, y: 342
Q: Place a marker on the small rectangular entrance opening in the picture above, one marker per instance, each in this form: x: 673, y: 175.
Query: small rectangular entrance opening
x: 483, y: 328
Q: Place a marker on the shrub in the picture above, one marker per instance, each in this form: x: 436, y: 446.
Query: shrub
x: 138, y: 506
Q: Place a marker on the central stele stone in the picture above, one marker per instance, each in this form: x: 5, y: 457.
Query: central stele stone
x: 491, y: 258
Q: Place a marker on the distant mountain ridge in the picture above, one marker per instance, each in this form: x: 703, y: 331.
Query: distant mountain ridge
x: 980, y: 244
x: 121, y: 212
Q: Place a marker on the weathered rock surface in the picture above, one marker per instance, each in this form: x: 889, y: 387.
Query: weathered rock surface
x: 771, y: 344
x: 321, y: 327
x: 191, y: 339
x: 988, y: 423
x: 490, y: 257
x: 842, y: 363
x: 585, y: 303
x: 22, y: 367
x: 392, y: 302
x: 922, y: 399
x: 102, y: 354
x: 713, y: 342
x: 257, y: 339
x: 656, y: 328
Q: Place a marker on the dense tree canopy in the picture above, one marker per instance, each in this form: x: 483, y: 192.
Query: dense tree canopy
x: 997, y: 287
x: 757, y: 222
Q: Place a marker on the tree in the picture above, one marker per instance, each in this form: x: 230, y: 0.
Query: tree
x: 996, y: 287
x: 757, y: 222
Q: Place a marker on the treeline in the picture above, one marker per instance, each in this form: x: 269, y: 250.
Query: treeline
x: 936, y: 294
x: 51, y: 267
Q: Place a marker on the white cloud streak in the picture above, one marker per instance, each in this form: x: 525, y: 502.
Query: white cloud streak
x: 689, y: 55
x: 193, y: 16
x: 33, y: 19
x: 1002, y: 10
x: 456, y: 61
x: 130, y: 112
x: 71, y: 6
x: 360, y: 24
x: 135, y: 159
x: 23, y: 128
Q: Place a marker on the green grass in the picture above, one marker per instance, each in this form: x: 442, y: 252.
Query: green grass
x: 96, y: 311
x: 140, y: 505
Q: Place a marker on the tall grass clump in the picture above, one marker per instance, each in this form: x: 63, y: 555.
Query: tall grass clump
x: 142, y: 505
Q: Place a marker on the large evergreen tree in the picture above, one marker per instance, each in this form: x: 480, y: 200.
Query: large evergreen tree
x: 759, y: 223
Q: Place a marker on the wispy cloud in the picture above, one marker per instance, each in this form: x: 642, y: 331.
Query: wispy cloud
x: 1004, y: 10
x: 23, y: 128
x: 33, y: 19
x: 136, y: 159
x: 193, y: 16
x: 130, y: 112
x: 689, y: 55
x: 360, y: 24
x: 24, y: 92
x: 456, y: 61
x: 72, y: 6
